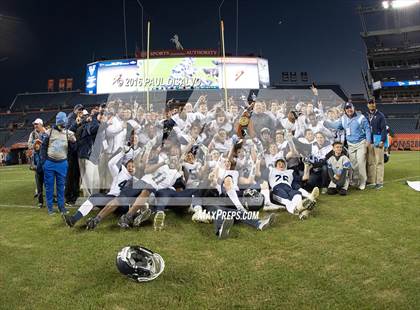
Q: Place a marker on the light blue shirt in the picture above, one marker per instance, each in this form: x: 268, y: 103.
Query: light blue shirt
x: 357, y: 127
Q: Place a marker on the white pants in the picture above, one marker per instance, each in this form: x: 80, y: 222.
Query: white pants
x: 90, y: 177
x: 357, y: 156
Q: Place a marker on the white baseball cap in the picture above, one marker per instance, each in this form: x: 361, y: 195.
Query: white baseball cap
x: 38, y: 121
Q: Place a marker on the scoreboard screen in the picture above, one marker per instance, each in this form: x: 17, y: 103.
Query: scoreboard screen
x: 137, y: 75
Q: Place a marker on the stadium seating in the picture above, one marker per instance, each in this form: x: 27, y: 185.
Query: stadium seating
x: 7, y: 120
x: 403, y: 125
x: 18, y: 136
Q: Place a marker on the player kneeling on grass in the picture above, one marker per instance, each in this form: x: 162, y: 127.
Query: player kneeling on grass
x: 338, y: 169
x: 122, y: 178
x: 232, y: 209
x: 286, y: 191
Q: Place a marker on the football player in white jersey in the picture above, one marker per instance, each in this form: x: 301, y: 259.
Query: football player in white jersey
x: 164, y: 177
x: 283, y: 186
x: 122, y: 177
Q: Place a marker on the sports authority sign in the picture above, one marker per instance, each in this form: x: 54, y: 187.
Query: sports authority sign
x: 179, y: 53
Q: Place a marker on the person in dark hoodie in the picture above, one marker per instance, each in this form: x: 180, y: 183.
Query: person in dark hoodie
x: 375, y: 151
x: 85, y: 135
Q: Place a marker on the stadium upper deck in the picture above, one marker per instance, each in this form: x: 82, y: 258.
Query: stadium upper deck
x: 392, y: 38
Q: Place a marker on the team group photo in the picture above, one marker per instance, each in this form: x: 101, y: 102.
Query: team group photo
x: 162, y: 166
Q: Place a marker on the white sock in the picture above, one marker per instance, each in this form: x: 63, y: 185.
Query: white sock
x: 266, y: 194
x: 304, y: 192
x: 295, y: 201
x: 86, y: 207
x: 290, y: 206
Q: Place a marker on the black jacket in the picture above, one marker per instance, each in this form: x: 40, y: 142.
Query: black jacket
x: 377, y: 124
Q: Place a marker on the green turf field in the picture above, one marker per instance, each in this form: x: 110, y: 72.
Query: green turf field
x: 358, y: 252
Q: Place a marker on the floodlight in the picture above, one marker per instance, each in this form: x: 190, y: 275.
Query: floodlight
x: 385, y: 4
x: 397, y: 4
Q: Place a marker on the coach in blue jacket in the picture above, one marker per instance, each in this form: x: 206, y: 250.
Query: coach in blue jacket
x: 358, y: 137
x: 375, y: 154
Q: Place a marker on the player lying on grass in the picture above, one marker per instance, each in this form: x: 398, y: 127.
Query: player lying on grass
x: 232, y: 209
x: 339, y: 166
x: 122, y: 178
x: 285, y: 190
x: 161, y: 172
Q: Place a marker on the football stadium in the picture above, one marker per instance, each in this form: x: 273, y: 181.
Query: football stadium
x: 202, y: 178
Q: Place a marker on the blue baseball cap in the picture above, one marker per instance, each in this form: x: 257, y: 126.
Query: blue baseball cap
x: 61, y: 119
x: 348, y: 105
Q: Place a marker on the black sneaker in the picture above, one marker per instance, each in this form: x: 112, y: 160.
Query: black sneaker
x: 342, y: 192
x: 142, y: 216
x: 223, y: 232
x: 92, y: 223
x: 125, y: 221
x: 40, y: 205
x: 331, y: 191
x: 68, y: 220
x: 267, y: 222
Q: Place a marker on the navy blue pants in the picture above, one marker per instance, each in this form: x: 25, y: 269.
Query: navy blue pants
x: 284, y: 191
x: 169, y: 197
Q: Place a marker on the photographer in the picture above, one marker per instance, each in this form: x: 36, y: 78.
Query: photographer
x: 86, y: 131
x: 72, y: 188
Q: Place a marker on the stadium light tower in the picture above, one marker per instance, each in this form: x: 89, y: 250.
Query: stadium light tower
x: 142, y: 22
x: 399, y: 4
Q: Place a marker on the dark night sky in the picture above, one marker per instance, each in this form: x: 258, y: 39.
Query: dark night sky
x: 54, y: 39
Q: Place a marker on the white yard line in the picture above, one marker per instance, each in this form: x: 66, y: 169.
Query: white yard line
x: 35, y: 207
x: 402, y: 179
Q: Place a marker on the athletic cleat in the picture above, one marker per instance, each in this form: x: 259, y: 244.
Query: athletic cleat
x: 304, y: 214
x: 40, y: 205
x: 267, y: 222
x: 223, y: 232
x: 332, y: 191
x: 314, y: 194
x: 379, y: 186
x: 64, y: 211
x: 371, y: 185
x: 362, y: 187
x: 308, y: 204
x: 91, y: 223
x: 125, y: 221
x: 202, y: 217
x: 68, y: 220
x: 159, y: 221
x: 273, y: 207
x: 342, y: 192
x: 143, y: 215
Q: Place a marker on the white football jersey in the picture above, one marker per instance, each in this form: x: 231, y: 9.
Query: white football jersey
x: 193, y: 171
x: 164, y: 177
x: 120, y: 181
x: 280, y: 177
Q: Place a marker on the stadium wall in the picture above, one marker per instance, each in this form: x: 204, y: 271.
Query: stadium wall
x: 406, y: 142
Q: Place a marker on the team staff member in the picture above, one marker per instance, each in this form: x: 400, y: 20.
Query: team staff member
x: 358, y: 137
x: 375, y: 154
x: 55, y: 147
